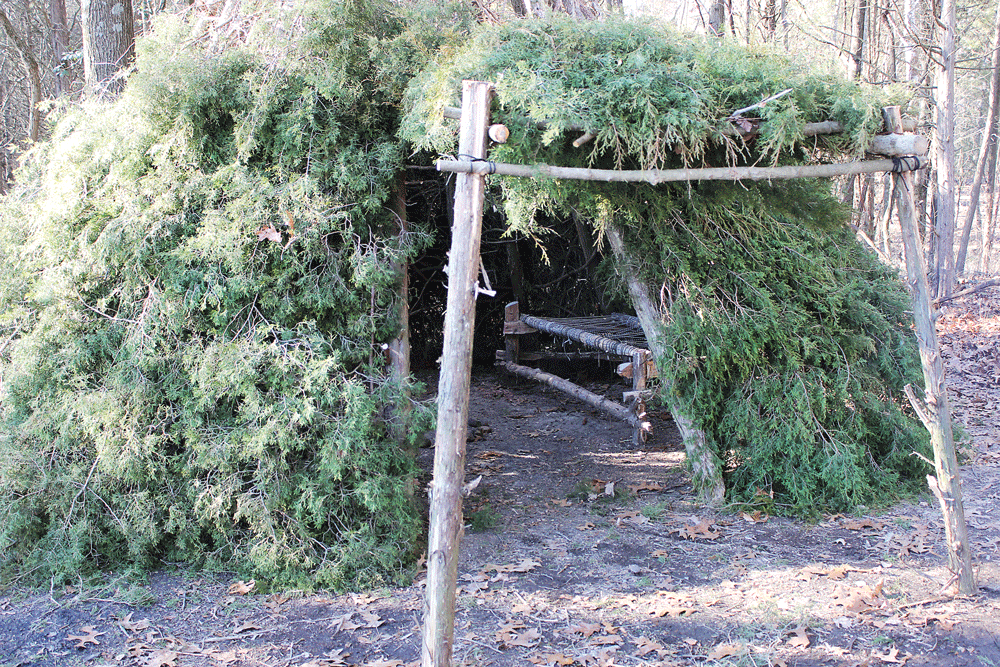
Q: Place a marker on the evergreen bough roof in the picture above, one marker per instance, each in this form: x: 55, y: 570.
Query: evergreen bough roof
x: 178, y: 386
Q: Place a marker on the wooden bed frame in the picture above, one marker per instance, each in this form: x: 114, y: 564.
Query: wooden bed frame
x: 615, y: 338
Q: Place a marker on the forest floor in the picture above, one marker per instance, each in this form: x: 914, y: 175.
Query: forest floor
x: 582, y: 549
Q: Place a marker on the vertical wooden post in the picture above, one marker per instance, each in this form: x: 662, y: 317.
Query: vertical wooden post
x: 934, y: 411
x: 453, y: 387
x: 512, y: 341
x: 399, y: 347
x: 639, y: 386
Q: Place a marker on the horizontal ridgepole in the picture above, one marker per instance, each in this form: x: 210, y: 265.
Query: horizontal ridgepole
x: 655, y: 176
x: 881, y: 144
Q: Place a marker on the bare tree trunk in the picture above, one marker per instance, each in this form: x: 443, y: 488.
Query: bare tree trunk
x: 860, y: 35
x: 717, y: 18
x: 988, y: 227
x: 30, y: 64
x: 987, y: 147
x: 60, y: 42
x: 771, y: 20
x: 108, y: 44
x: 945, y: 153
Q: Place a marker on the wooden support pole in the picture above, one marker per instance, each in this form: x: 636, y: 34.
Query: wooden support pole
x: 453, y: 387
x: 706, y: 467
x: 399, y: 347
x: 655, y: 176
x: 935, y: 411
x: 512, y: 341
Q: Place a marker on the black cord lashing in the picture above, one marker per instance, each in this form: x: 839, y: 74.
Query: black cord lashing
x: 492, y: 165
x: 905, y: 163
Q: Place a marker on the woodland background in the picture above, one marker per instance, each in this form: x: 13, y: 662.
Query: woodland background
x: 879, y: 42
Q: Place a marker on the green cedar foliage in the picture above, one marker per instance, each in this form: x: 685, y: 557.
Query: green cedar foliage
x: 790, y: 344
x: 177, y: 386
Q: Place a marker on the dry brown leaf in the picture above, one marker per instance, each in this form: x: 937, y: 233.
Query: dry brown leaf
x: 275, y: 601
x: 525, y: 565
x: 605, y: 658
x: 839, y: 572
x: 799, y: 638
x: 892, y: 656
x: 726, y: 651
x: 528, y: 638
x: 672, y: 610
x: 644, y: 645
x: 345, y: 622
x: 754, y: 517
x: 701, y: 529
x: 586, y: 526
x: 551, y: 659
x: 241, y: 587
x: 138, y: 650
x: 162, y: 658
x: 89, y: 636
x: 385, y: 663
x: 644, y: 486
x: 269, y: 233
x: 585, y: 629
x: 223, y: 657
x: 808, y: 572
x: 129, y: 625
x: 371, y: 620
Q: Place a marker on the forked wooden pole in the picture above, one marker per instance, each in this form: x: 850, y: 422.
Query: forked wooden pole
x: 453, y: 387
x: 934, y: 410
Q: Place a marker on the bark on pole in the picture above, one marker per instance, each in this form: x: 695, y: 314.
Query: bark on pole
x: 934, y: 411
x: 453, y: 387
x: 657, y: 176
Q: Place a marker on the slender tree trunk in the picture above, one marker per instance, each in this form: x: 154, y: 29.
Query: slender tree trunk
x: 34, y: 73
x: 945, y: 153
x: 108, y: 44
x: 399, y: 347
x: 60, y: 42
x: 987, y: 147
x: 717, y: 18
x: 860, y: 35
x: 988, y: 227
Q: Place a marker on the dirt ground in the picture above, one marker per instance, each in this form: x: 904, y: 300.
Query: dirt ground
x: 582, y: 549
